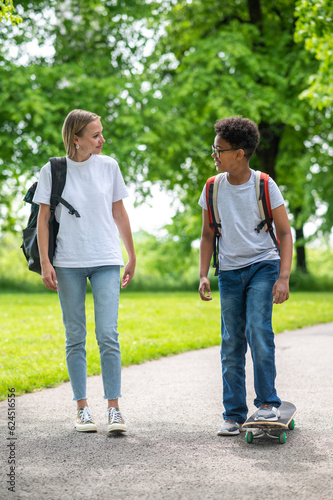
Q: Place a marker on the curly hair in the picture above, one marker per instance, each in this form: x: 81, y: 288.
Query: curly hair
x: 240, y: 133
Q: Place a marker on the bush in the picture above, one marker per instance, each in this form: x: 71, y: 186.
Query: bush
x: 162, y: 265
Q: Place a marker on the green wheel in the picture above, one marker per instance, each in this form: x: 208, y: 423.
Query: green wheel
x: 249, y: 436
x: 282, y: 437
x: 291, y: 425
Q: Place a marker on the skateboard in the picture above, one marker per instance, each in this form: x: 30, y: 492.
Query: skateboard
x: 274, y: 430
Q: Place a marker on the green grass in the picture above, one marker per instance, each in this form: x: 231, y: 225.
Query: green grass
x: 150, y: 326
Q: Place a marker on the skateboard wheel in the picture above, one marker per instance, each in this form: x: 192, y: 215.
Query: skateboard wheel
x: 282, y: 437
x: 249, y: 436
x: 291, y: 426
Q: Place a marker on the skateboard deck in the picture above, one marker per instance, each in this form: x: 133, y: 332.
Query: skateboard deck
x: 271, y: 429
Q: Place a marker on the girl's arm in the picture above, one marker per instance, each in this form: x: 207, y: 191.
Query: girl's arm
x: 48, y: 273
x: 122, y: 222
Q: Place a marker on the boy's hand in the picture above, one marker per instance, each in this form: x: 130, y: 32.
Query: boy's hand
x: 203, y: 288
x: 280, y: 291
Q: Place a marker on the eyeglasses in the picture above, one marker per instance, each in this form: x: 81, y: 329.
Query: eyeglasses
x: 217, y: 151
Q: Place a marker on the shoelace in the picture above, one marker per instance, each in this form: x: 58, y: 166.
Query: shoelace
x: 115, y: 416
x: 85, y: 415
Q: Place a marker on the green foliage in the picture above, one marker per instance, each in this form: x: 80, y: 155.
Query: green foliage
x: 7, y: 12
x: 215, y: 61
x: 32, y: 342
x: 209, y: 60
x: 88, y: 66
x: 14, y: 273
x: 314, y: 27
x: 163, y: 264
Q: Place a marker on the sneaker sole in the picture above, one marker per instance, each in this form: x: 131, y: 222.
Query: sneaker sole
x: 117, y: 428
x: 86, y: 427
x: 227, y: 433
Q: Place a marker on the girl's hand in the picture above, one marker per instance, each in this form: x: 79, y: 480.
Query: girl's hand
x: 128, y: 273
x: 49, y: 277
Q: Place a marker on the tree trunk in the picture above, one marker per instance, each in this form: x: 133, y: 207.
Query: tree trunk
x: 300, y: 251
x: 255, y: 13
x: 268, y: 148
x: 267, y: 152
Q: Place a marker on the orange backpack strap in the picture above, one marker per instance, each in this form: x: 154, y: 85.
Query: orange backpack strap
x: 264, y: 204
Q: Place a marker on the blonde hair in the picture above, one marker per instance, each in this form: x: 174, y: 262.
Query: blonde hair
x: 74, y: 124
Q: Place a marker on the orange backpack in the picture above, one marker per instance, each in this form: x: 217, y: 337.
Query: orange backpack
x: 264, y: 204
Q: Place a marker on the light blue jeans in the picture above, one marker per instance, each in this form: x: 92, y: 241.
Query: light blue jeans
x: 246, y: 317
x: 72, y: 284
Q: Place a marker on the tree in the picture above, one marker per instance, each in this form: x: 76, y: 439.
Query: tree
x: 217, y: 60
x: 7, y: 12
x: 314, y: 27
x: 210, y: 60
x: 91, y: 51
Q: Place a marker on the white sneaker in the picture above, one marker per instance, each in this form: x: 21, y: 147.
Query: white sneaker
x: 267, y: 413
x: 229, y: 428
x: 116, y: 421
x: 84, y: 421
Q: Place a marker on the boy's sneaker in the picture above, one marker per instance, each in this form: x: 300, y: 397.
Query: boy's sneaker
x: 116, y: 421
x: 84, y: 421
x: 229, y: 428
x: 267, y: 413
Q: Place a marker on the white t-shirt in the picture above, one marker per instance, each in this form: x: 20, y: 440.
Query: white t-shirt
x: 240, y: 245
x: 91, y: 188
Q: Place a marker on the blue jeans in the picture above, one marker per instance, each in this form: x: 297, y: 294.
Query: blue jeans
x: 246, y: 317
x: 72, y: 284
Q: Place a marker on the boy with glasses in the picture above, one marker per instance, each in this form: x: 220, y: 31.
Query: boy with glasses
x: 252, y: 275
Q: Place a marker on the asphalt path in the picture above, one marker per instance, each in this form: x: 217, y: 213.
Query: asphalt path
x: 171, y: 450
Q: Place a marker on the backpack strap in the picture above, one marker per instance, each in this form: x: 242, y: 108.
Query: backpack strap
x: 264, y: 204
x: 59, y: 172
x: 211, y: 199
x: 214, y: 219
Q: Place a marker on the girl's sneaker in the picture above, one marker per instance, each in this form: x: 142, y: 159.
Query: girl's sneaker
x: 116, y: 421
x: 84, y: 421
x: 229, y: 428
x: 267, y: 413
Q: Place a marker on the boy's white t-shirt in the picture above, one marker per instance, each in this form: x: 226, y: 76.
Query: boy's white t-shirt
x: 92, y: 186
x: 240, y: 245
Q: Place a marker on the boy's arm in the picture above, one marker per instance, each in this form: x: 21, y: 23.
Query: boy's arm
x: 206, y: 252
x: 281, y: 287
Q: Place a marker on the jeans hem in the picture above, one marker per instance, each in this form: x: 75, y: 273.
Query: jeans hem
x: 106, y: 397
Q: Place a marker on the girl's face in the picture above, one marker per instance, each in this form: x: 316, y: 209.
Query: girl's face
x: 92, y: 140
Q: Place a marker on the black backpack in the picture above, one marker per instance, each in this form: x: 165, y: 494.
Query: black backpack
x: 29, y: 245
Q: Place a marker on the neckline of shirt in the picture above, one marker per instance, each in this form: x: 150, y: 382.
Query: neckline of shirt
x: 79, y: 163
x: 239, y: 186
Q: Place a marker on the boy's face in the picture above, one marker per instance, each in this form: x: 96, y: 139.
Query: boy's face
x: 225, y: 156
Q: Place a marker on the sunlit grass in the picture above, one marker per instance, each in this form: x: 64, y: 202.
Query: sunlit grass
x: 151, y: 325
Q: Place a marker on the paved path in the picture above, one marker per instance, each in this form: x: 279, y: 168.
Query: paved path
x: 172, y: 451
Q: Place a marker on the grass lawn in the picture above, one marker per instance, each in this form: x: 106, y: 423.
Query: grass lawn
x: 151, y: 325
